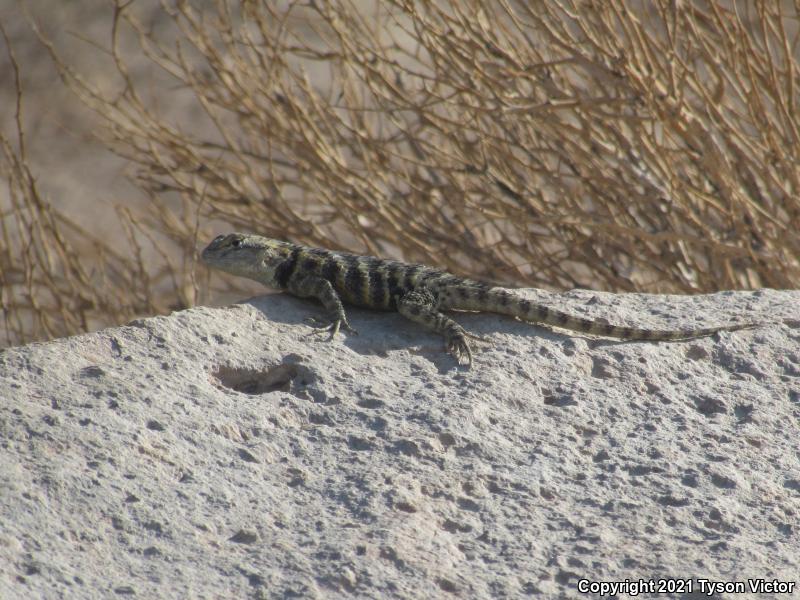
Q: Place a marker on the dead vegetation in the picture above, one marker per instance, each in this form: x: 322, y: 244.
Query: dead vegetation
x: 637, y: 146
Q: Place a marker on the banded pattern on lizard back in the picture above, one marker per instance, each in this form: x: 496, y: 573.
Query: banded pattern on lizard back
x: 418, y: 292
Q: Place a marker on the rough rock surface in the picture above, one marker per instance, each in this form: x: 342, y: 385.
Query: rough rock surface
x: 222, y: 453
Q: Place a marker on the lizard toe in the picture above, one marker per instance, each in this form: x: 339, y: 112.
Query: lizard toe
x: 458, y: 346
x: 347, y: 327
x: 332, y: 327
x: 319, y: 327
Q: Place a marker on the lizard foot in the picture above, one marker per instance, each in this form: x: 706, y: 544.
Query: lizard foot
x: 480, y: 338
x: 457, y: 345
x: 332, y: 327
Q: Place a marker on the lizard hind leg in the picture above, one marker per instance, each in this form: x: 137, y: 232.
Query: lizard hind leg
x: 420, y: 306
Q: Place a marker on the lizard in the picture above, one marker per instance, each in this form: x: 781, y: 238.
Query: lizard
x: 418, y: 292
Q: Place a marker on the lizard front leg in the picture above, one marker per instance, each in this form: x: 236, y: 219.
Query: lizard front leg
x: 312, y: 286
x: 420, y: 306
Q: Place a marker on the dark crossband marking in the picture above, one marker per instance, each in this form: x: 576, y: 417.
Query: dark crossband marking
x: 288, y: 267
x: 356, y: 284
x: 378, y: 289
x: 309, y: 265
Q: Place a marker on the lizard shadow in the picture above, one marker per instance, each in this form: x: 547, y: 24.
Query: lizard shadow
x: 374, y: 327
x: 384, y: 331
x: 380, y: 332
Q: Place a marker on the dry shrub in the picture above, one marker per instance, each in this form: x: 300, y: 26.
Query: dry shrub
x: 637, y: 146
x: 57, y: 277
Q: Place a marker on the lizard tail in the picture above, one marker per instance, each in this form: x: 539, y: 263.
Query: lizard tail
x: 506, y: 303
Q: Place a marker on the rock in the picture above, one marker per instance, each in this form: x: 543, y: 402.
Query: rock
x: 224, y: 452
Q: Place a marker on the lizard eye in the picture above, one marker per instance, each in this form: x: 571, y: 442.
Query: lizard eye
x: 236, y: 243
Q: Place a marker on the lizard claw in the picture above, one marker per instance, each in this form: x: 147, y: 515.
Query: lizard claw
x: 332, y: 327
x: 348, y: 329
x: 480, y: 338
x: 457, y: 346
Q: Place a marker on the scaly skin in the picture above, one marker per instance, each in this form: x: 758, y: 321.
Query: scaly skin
x: 417, y: 292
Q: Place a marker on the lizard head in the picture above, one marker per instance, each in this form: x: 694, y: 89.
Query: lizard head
x: 250, y: 256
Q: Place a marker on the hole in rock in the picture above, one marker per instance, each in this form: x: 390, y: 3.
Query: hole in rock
x: 278, y: 378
